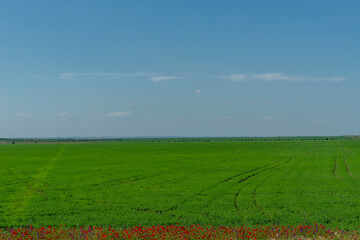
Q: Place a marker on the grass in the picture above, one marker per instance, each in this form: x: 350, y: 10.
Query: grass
x: 230, y: 183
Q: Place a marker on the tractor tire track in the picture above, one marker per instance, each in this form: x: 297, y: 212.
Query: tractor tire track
x: 23, y: 197
x: 260, y: 208
x: 10, y: 183
x: 347, y: 169
x: 174, y: 207
x: 31, y: 179
x: 219, y: 183
x: 240, y: 174
x: 25, y: 182
x: 334, y: 170
x: 116, y: 182
x: 254, y: 193
x: 244, y: 180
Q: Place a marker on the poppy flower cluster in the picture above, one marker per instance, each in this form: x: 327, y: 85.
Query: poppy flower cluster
x: 316, y: 231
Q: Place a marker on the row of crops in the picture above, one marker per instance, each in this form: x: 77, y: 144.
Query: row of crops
x: 226, y: 183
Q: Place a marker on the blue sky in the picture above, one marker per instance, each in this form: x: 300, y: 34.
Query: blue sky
x: 179, y: 68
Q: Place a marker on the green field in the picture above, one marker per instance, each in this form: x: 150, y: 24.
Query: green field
x: 230, y: 183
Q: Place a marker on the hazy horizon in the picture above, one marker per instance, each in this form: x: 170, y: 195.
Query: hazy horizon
x: 167, y: 137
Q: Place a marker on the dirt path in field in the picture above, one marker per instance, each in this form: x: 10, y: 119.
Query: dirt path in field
x: 33, y: 185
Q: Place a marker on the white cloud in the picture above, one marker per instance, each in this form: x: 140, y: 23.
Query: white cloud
x: 335, y: 79
x: 21, y: 114
x: 65, y: 114
x: 120, y: 114
x: 331, y: 79
x: 102, y: 75
x: 237, y: 77
x: 163, y: 78
x: 198, y: 91
x: 155, y: 77
x: 279, y: 77
x: 268, y: 118
x: 274, y: 77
